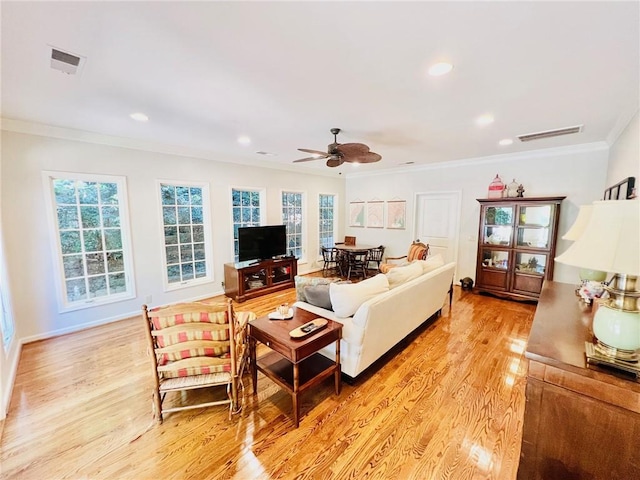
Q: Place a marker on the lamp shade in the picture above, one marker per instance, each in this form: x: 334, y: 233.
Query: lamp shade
x: 584, y: 214
x: 610, y: 241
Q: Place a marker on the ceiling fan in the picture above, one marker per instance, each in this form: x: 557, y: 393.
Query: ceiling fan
x: 337, y: 153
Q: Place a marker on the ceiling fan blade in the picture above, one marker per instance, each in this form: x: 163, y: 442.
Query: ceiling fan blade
x: 369, y: 157
x: 315, y: 152
x: 353, y: 149
x: 308, y: 159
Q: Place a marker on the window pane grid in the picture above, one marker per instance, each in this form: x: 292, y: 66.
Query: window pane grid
x: 183, y: 226
x: 326, y: 222
x: 245, y: 212
x: 292, y: 219
x: 89, y: 234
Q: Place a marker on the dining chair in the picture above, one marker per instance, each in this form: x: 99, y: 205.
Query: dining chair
x: 357, y: 263
x: 331, y: 259
x: 375, y: 258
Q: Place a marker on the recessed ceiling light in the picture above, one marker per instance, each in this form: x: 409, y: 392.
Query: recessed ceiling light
x: 505, y: 141
x: 244, y: 140
x: 441, y: 68
x: 484, y: 119
x: 139, y: 117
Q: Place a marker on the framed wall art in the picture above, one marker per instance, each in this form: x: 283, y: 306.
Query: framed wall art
x: 396, y: 214
x: 356, y: 214
x: 375, y: 214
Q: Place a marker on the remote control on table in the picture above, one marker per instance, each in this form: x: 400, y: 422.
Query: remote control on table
x: 308, y: 328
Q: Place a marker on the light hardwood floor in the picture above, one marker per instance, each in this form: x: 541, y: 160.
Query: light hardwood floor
x: 449, y: 405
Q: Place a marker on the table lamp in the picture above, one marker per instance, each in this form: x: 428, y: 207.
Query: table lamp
x: 584, y: 214
x: 610, y: 242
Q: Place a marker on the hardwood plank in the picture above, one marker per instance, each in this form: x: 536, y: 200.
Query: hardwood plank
x: 448, y: 404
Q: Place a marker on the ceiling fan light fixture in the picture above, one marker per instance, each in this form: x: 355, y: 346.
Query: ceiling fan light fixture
x: 440, y: 68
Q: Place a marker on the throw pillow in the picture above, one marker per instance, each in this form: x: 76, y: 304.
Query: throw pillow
x: 431, y: 263
x: 346, y: 298
x: 399, y: 275
x: 318, y: 295
x: 303, y: 281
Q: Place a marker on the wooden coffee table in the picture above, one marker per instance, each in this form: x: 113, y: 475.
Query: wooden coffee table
x: 294, y: 364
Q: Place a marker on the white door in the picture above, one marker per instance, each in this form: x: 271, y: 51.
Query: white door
x: 438, y: 223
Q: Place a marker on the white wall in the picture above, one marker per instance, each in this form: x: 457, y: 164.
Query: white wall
x: 624, y: 158
x: 27, y: 236
x: 578, y: 173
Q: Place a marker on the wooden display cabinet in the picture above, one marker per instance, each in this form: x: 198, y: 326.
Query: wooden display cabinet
x: 246, y: 280
x: 516, y: 245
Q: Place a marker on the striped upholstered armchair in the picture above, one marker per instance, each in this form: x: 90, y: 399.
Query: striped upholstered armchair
x: 417, y: 251
x: 196, y: 345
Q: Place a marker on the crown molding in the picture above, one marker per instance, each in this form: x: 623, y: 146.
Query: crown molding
x: 624, y: 119
x: 52, y: 131
x: 503, y: 157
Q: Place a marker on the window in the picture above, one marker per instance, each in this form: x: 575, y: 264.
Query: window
x: 7, y: 327
x: 91, y: 230
x: 246, y: 212
x: 292, y: 217
x: 186, y: 226
x: 327, y: 220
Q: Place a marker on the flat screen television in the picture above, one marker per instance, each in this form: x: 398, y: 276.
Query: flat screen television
x: 261, y: 243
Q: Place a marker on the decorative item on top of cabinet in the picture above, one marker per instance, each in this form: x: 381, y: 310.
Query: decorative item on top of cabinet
x: 496, y: 188
x: 516, y: 245
x: 512, y: 189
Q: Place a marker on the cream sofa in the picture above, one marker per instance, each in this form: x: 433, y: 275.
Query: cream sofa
x: 394, y: 309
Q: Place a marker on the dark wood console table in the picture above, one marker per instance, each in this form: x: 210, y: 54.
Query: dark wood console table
x: 246, y: 280
x: 581, y: 421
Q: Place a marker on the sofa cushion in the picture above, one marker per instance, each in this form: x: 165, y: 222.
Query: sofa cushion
x: 346, y: 298
x: 399, y: 275
x: 304, y: 281
x: 318, y: 295
x: 431, y: 263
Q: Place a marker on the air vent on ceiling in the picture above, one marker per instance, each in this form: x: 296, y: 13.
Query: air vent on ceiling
x: 65, y: 62
x: 550, y: 133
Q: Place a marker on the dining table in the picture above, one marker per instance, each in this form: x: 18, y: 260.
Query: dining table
x: 347, y: 251
x: 358, y: 248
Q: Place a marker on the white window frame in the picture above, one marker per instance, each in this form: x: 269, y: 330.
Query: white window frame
x: 303, y: 232
x: 56, y: 248
x: 7, y: 323
x: 206, y: 218
x: 335, y: 218
x: 263, y: 209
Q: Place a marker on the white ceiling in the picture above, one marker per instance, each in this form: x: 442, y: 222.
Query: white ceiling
x: 284, y: 73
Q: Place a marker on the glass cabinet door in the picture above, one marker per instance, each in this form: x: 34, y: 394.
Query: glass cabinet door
x: 534, y: 226
x: 498, y: 227
x: 257, y: 279
x: 495, y: 259
x: 281, y: 274
x: 533, y: 263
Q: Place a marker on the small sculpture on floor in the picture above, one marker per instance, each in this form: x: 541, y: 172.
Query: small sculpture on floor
x: 466, y: 283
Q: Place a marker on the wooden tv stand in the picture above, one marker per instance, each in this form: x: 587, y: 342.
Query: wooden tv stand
x: 246, y: 280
